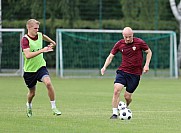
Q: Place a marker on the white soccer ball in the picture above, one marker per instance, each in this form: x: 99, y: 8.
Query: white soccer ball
x: 125, y: 114
x: 121, y: 105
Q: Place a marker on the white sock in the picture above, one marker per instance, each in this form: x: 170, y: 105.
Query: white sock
x: 53, y: 104
x: 29, y: 105
x: 115, y: 111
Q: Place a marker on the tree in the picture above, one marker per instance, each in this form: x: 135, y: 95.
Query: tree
x: 70, y: 11
x: 177, y: 13
x: 140, y: 11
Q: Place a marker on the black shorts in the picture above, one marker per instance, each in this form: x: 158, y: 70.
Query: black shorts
x: 130, y: 81
x: 31, y: 78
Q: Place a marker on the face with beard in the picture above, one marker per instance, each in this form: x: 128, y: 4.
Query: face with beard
x: 128, y: 35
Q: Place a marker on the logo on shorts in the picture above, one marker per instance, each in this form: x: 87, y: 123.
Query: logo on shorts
x: 134, y: 48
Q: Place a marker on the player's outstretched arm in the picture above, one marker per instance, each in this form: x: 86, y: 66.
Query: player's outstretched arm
x: 107, y: 62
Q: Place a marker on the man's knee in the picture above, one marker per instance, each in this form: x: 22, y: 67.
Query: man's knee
x: 47, y: 82
x: 117, y: 88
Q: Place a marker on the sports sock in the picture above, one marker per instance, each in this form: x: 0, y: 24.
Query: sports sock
x: 53, y: 104
x: 29, y: 105
x: 115, y: 111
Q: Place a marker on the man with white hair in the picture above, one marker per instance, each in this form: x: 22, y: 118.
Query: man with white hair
x: 130, y: 70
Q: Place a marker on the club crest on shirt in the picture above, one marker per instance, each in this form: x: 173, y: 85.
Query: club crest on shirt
x: 134, y: 48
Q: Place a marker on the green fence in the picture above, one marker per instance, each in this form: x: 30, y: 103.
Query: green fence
x: 85, y: 51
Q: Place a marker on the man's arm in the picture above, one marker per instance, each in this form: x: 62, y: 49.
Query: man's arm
x: 48, y: 39
x: 107, y: 62
x: 148, y: 59
x: 29, y: 54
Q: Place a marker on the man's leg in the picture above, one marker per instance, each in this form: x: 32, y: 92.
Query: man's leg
x: 30, y: 95
x: 49, y: 86
x: 128, y: 98
x: 115, y: 100
x: 51, y: 94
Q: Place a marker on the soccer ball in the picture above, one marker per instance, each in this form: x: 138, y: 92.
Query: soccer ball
x: 125, y: 114
x: 121, y: 105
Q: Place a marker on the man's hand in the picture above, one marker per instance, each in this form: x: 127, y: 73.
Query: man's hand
x: 103, y: 70
x: 47, y: 49
x: 145, y: 69
x: 52, y: 45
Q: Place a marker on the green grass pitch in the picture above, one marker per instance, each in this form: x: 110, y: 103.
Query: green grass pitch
x: 86, y: 107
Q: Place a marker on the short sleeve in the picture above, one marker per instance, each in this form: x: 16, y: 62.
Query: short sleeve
x: 25, y: 43
x: 144, y: 46
x: 115, y: 49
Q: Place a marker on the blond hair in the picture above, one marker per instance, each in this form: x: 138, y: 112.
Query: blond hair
x: 31, y: 22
